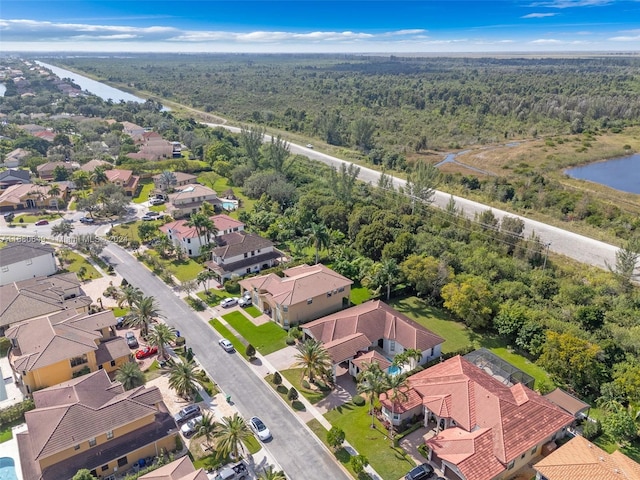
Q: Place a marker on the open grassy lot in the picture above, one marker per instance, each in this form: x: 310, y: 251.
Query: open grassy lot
x: 143, y: 193
x: 294, y: 375
x: 128, y: 230
x: 359, y: 294
x: 458, y: 336
x: 389, y: 461
x: 183, y: 270
x: 266, y: 338
x: 75, y: 262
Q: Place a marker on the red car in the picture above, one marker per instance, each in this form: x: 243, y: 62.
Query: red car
x: 146, y: 352
x: 41, y: 222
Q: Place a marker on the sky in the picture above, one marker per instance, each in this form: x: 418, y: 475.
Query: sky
x: 308, y: 26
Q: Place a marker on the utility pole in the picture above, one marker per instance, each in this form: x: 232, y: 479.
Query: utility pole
x: 546, y: 254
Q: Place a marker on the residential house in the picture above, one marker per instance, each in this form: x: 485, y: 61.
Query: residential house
x: 181, y: 469
x: 46, y: 170
x: 132, y: 129
x: 35, y: 297
x: 187, y: 239
x: 47, y: 135
x: 32, y: 128
x: 91, y: 422
x: 241, y: 253
x: 151, y: 146
x: 579, y: 459
x: 14, y: 177
x: 569, y: 403
x: 125, y: 179
x: 482, y: 428
x: 182, y: 180
x: 303, y: 294
x: 26, y: 196
x: 56, y: 348
x: 91, y: 165
x: 16, y: 157
x: 188, y: 199
x: 373, y: 331
x: 22, y: 260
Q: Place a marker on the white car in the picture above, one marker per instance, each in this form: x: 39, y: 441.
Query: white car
x: 244, y: 302
x: 260, y: 428
x: 229, y: 302
x: 191, y: 426
x: 226, y: 345
x: 309, y: 145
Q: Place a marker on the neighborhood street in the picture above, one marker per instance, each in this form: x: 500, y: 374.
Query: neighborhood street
x: 295, y: 448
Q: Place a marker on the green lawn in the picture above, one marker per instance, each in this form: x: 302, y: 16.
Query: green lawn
x: 283, y: 391
x: 28, y: 218
x: 610, y: 445
x: 266, y: 338
x: 294, y: 375
x: 252, y: 444
x: 128, y: 230
x: 253, y: 311
x: 6, y: 433
x: 226, y: 333
x: 214, y: 297
x: 390, y: 462
x: 341, y: 454
x: 158, y: 208
x: 75, y: 262
x: 143, y: 194
x: 183, y: 270
x: 359, y: 294
x: 120, y: 312
x: 221, y: 185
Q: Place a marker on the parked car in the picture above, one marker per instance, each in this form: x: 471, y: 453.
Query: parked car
x: 146, y: 352
x: 9, y: 216
x: 156, y: 201
x: 131, y: 339
x: 226, y: 345
x: 260, y: 428
x: 309, y: 145
x: 421, y: 472
x: 233, y: 472
x: 229, y: 302
x: 244, y: 301
x: 120, y: 324
x: 191, y: 426
x: 186, y: 413
x: 42, y: 222
x: 87, y: 220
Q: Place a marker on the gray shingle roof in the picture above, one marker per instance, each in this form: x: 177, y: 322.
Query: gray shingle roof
x: 238, y: 243
x: 16, y: 252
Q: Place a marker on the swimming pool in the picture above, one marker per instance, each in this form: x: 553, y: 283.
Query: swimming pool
x: 230, y: 204
x: 7, y: 469
x: 393, y: 370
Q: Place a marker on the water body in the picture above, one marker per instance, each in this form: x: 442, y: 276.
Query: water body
x: 620, y: 173
x: 96, y: 88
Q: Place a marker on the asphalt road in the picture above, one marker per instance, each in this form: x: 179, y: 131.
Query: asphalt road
x: 578, y: 247
x: 296, y: 449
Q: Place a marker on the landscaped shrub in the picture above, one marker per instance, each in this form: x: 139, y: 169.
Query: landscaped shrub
x: 277, y: 378
x: 5, y: 345
x: 250, y: 351
x: 305, y: 384
x: 232, y: 286
x: 358, y: 462
x: 180, y: 341
x: 358, y: 401
x: 15, y: 412
x: 335, y: 437
x: 290, y: 341
x: 591, y: 430
x: 292, y: 395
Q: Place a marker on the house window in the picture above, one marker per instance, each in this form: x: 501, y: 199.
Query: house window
x: 285, y: 308
x: 122, y: 461
x: 258, y: 250
x: 92, y: 442
x: 309, y: 301
x: 189, y: 251
x: 100, y: 367
x: 392, y: 346
x: 75, y: 361
x: 113, y: 363
x: 328, y: 294
x: 246, y: 255
x: 396, y: 416
x: 534, y: 450
x: 523, y: 455
x: 188, y: 240
x: 511, y: 464
x: 104, y: 468
x: 249, y: 270
x: 76, y: 447
x: 341, y: 289
x: 253, y: 253
x: 109, y: 434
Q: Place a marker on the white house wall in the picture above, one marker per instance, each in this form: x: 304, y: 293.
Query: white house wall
x: 41, y: 266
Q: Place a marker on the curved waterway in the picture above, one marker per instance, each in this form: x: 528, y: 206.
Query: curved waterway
x: 619, y: 173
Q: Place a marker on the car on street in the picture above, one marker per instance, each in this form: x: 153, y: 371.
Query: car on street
x: 146, y: 352
x: 309, y: 145
x: 244, y: 301
x: 187, y: 413
x: 191, y: 426
x: 131, y: 339
x: 150, y: 216
x: 87, y: 220
x: 226, y: 345
x: 229, y: 302
x: 421, y: 472
x: 42, y: 222
x: 260, y: 428
x: 9, y: 216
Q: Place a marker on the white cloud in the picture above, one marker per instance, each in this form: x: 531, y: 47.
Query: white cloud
x: 547, y: 41
x: 539, y: 15
x: 572, y: 3
x: 625, y: 39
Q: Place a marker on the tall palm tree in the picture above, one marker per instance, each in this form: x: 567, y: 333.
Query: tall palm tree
x: 313, y: 358
x: 410, y: 355
x: 130, y: 376
x: 129, y: 296
x: 63, y: 230
x: 54, y: 191
x: 203, y: 225
x: 203, y: 278
x: 232, y: 432
x: 397, y: 391
x: 208, y: 428
x: 186, y: 379
x: 271, y: 474
x: 372, y: 382
x: 389, y: 274
x: 143, y: 312
x: 164, y: 246
x: 318, y: 237
x: 160, y: 335
x: 207, y: 209
x: 99, y: 176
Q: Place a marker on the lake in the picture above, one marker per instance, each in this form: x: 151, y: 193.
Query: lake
x: 619, y: 173
x: 92, y: 86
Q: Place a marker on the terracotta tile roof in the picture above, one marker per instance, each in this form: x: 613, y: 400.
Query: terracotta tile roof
x: 91, y: 165
x: 580, y: 459
x: 376, y: 320
x: 116, y: 174
x: 518, y: 417
x: 49, y: 167
x: 344, y: 348
x: 181, y: 469
x: 17, y: 194
x: 189, y: 192
x: 15, y: 252
x: 83, y: 408
x: 225, y: 222
x: 299, y: 284
x: 111, y: 350
x: 363, y: 360
x: 401, y: 404
x: 180, y: 229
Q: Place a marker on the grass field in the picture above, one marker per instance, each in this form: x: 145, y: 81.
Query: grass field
x: 341, y: 454
x: 183, y: 270
x: 266, y: 338
x: 28, y: 218
x: 253, y: 311
x: 294, y: 376
x: 359, y: 294
x: 221, y: 185
x: 213, y: 297
x: 226, y: 333
x: 75, y: 263
x: 143, y: 193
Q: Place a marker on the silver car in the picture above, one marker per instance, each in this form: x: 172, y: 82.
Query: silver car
x: 191, y: 426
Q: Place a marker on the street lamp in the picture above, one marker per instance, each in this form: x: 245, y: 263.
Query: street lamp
x: 546, y: 254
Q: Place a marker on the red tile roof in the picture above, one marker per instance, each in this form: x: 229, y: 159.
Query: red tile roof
x: 363, y: 360
x: 225, y: 222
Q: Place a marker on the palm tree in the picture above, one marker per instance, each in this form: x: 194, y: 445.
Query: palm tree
x: 143, y: 312
x: 160, y: 335
x: 318, y: 237
x: 389, y: 273
x: 167, y: 180
x: 130, y: 376
x: 204, y: 277
x: 130, y: 295
x: 314, y: 358
x: 398, y: 386
x: 271, y: 474
x: 372, y: 382
x: 186, y: 379
x: 54, y: 191
x: 208, y: 428
x: 99, y: 176
x: 231, y: 434
x: 207, y: 209
x: 164, y: 245
x: 63, y: 230
x: 410, y: 355
x: 203, y: 225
